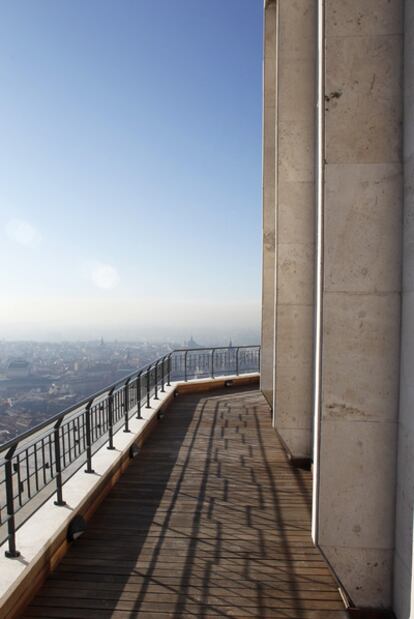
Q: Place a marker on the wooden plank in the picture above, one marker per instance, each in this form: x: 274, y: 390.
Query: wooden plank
x: 179, y: 612
x: 242, y: 588
x: 158, y: 601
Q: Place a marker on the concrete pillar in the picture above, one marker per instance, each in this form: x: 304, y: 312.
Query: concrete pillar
x: 357, y: 405
x: 269, y: 180
x: 292, y: 400
x: 403, y: 558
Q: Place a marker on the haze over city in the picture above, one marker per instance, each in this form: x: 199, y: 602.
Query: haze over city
x: 128, y: 319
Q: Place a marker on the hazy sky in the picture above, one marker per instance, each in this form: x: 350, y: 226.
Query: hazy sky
x: 130, y: 166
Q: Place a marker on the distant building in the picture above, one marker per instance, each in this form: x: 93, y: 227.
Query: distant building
x: 18, y: 368
x: 192, y: 344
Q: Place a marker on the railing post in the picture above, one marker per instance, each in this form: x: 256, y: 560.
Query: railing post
x: 162, y: 374
x: 139, y: 416
x: 111, y: 419
x: 169, y: 370
x: 126, y: 404
x: 148, y: 387
x: 237, y: 361
x: 156, y: 381
x: 185, y: 365
x: 11, y: 526
x: 89, y: 468
x: 59, y: 498
x: 258, y: 360
x: 212, y: 362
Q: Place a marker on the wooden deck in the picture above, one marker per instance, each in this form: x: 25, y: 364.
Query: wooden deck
x: 210, y: 520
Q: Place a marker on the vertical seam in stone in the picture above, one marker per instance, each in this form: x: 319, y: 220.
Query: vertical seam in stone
x: 318, y: 305
x: 276, y: 198
x: 404, y: 87
x: 263, y: 190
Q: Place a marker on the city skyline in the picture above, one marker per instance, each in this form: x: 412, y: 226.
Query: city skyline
x: 162, y: 320
x: 40, y: 379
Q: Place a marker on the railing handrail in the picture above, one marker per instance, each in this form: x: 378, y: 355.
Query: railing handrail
x: 213, y: 348
x: 40, y: 426
x: 41, y: 459
x: 118, y: 383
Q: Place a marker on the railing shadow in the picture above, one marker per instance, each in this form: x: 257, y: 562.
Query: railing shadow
x: 279, y: 519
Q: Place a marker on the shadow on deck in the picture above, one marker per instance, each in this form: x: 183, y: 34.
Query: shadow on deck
x: 210, y: 520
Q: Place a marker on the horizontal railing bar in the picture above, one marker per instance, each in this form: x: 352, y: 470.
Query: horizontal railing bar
x: 105, y: 390
x: 45, y: 456
x: 213, y: 348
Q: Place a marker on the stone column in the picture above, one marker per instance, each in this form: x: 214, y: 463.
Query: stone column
x: 269, y: 179
x: 358, y: 404
x: 292, y: 401
x: 403, y: 557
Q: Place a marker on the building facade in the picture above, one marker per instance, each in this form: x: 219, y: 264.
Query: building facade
x: 338, y: 277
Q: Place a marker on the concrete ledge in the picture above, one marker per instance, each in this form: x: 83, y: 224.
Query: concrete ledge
x: 221, y: 382
x: 42, y: 539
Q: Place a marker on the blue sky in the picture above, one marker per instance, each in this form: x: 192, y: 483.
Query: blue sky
x: 130, y: 167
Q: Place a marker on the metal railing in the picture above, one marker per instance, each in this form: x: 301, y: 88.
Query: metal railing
x: 35, y: 465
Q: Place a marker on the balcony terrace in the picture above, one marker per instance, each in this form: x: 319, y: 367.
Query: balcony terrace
x: 209, y: 519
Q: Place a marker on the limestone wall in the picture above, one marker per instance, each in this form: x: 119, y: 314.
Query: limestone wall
x: 269, y: 180
x: 295, y: 198
x: 403, y: 559
x: 355, y: 466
